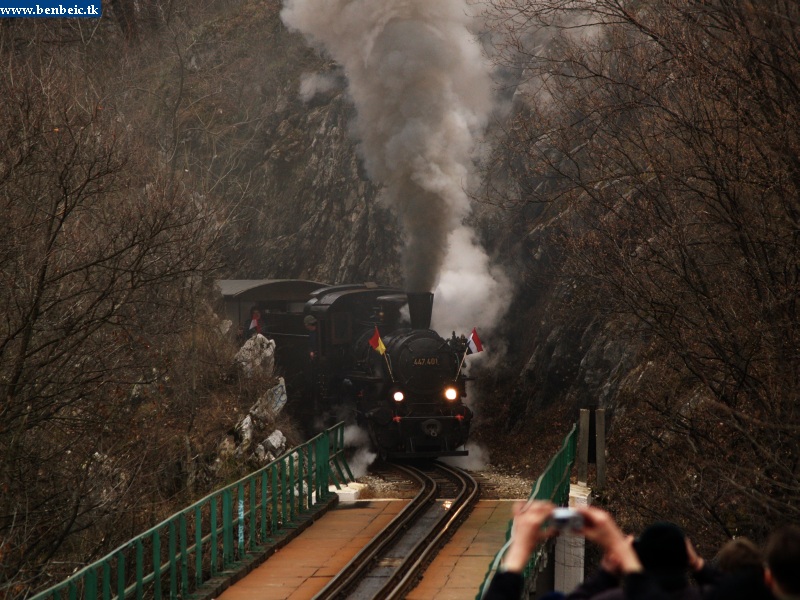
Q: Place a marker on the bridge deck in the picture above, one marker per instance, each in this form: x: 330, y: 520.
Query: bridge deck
x: 307, y: 563
x: 303, y: 567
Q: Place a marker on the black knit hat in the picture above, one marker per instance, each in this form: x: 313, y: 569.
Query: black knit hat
x: 662, y: 550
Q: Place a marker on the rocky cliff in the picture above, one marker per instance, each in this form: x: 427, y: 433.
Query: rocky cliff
x: 305, y: 207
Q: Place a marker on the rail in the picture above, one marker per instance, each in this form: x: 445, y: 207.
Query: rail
x: 217, y: 535
x: 553, y: 485
x: 390, y: 564
x: 424, y: 551
x: 368, y: 557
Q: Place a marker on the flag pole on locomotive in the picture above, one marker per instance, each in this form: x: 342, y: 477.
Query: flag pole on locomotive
x: 474, y: 346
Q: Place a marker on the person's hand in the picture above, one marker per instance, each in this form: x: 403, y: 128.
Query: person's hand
x: 611, y: 560
x: 527, y: 533
x: 599, y: 527
x: 696, y: 562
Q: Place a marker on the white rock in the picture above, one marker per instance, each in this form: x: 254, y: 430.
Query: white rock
x: 257, y: 353
x: 276, y: 442
x: 270, y: 404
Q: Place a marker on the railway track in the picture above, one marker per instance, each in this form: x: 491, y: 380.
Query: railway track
x: 391, y: 564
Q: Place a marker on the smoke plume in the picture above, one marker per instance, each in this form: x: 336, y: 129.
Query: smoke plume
x: 422, y: 91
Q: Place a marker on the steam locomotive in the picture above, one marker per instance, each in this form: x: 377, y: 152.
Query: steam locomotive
x: 372, y: 359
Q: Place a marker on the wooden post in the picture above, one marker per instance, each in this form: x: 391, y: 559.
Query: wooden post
x: 600, y: 432
x: 583, y: 447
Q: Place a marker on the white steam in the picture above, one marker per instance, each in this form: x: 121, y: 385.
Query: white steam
x: 477, y: 460
x: 422, y: 91
x: 470, y: 291
x: 363, y: 457
x: 355, y: 436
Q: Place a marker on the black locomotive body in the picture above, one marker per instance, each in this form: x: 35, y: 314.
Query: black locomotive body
x: 410, y: 397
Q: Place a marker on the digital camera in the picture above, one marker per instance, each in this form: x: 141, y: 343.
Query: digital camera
x: 566, y: 519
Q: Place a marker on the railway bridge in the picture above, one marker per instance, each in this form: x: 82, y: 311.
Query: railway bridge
x: 218, y: 545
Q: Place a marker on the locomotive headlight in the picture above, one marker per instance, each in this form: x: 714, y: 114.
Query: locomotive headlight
x: 398, y: 396
x: 451, y: 393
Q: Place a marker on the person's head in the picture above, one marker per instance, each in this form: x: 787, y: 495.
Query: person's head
x: 782, y: 555
x: 739, y: 554
x: 255, y: 313
x: 310, y: 322
x: 662, y: 551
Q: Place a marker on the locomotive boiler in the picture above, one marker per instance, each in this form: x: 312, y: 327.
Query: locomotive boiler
x: 370, y: 357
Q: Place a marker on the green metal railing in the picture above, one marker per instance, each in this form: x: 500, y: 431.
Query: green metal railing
x: 553, y: 485
x: 217, y: 534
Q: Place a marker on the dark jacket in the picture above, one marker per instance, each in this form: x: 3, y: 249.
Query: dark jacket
x: 747, y: 584
x: 606, y: 586
x: 505, y: 586
x: 508, y: 586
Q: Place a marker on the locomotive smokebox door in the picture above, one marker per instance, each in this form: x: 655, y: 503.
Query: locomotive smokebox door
x: 424, y: 365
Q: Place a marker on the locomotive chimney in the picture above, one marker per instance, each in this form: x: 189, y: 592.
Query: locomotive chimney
x: 420, y: 305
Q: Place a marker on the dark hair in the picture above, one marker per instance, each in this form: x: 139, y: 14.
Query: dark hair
x: 662, y: 550
x: 739, y: 554
x: 783, y: 556
x: 662, y: 546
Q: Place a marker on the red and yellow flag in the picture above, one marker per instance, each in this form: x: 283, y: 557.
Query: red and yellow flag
x: 376, y: 342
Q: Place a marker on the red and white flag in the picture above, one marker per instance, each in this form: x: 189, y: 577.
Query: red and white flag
x: 474, y: 343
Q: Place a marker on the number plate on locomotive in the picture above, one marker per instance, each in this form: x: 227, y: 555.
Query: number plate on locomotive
x: 426, y: 362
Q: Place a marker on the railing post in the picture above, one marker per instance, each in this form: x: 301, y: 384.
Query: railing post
x: 198, y: 545
x: 240, y: 512
x: 282, y: 477
x: 274, y: 498
x: 90, y: 585
x: 583, y: 447
x: 156, y: 565
x: 318, y: 467
x: 106, y: 592
x: 121, y: 576
x: 301, y: 501
x: 139, y: 569
x: 252, y: 512
x: 214, y: 532
x: 600, y: 429
x: 312, y: 496
x: 336, y: 454
x: 292, y: 508
x: 325, y: 465
x: 173, y: 566
x: 184, y: 557
x: 264, y: 496
x: 227, y: 528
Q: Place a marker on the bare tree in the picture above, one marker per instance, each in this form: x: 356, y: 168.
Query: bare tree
x: 664, y: 126
x: 102, y: 253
